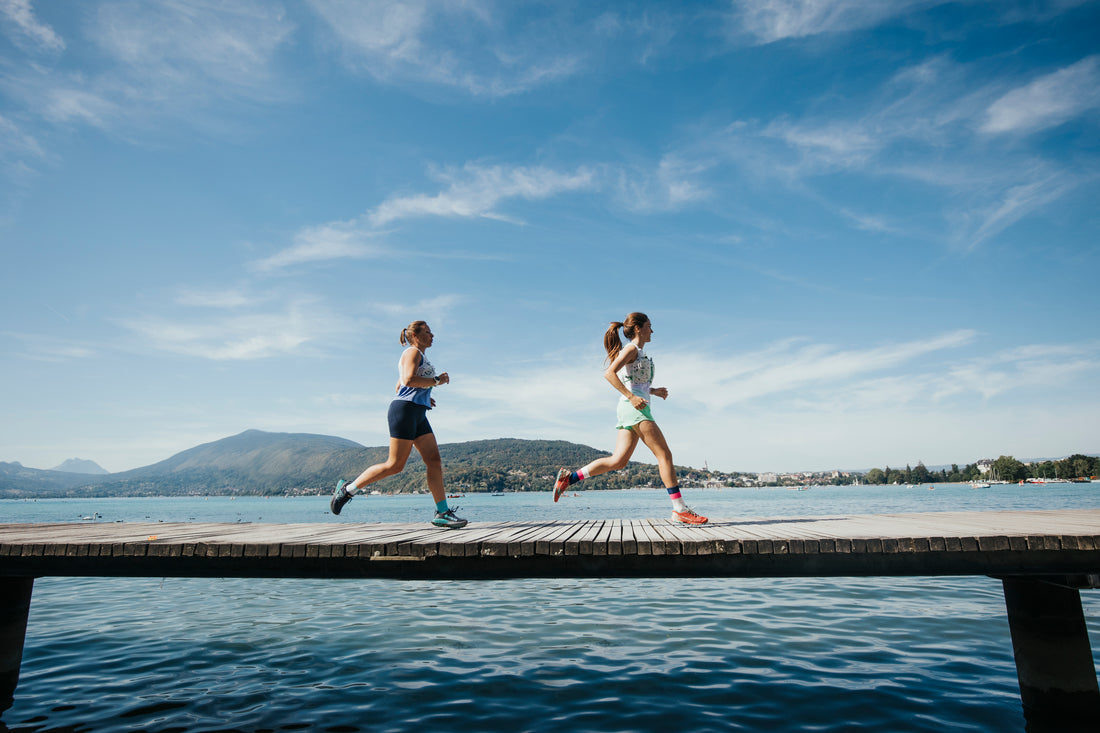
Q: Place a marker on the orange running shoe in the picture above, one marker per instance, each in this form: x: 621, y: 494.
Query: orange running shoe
x: 562, y: 483
x: 688, y: 516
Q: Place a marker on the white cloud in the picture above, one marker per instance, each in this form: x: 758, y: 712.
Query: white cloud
x: 435, y: 310
x: 335, y: 240
x: 1047, y: 101
x: 789, y: 366
x: 547, y: 395
x: 15, y: 143
x: 476, y: 191
x: 919, y: 127
x: 769, y: 21
x: 833, y: 144
x: 20, y: 16
x: 160, y: 57
x: 466, y: 45
x: 472, y: 192
x: 67, y: 104
x: 37, y: 347
x: 240, y: 336
x: 1013, y: 204
x: 676, y: 182
x: 194, y: 47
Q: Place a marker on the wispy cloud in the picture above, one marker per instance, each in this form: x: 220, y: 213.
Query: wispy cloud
x: 926, y: 125
x: 1048, y: 101
x: 322, y: 243
x: 435, y: 310
x: 16, y: 143
x: 768, y: 21
x: 158, y: 57
x: 477, y: 191
x: 788, y: 366
x: 675, y: 182
x: 37, y: 347
x: 197, y: 48
x: 464, y: 45
x: 474, y: 191
x: 1013, y: 204
x: 27, y: 29
x: 234, y: 335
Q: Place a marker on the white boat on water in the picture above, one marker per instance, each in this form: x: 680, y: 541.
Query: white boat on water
x: 979, y: 486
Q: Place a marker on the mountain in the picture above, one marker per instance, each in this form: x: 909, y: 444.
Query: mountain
x: 253, y: 462
x: 79, y: 465
x: 261, y: 463
x: 18, y: 482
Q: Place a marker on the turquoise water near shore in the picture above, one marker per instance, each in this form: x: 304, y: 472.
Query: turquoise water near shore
x: 839, y: 654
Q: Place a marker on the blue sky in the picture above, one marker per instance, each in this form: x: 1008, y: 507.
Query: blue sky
x: 865, y: 232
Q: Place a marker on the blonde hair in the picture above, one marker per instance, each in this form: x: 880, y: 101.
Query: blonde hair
x: 629, y: 325
x: 411, y: 330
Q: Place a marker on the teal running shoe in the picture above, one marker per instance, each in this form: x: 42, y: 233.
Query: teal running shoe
x: 448, y: 520
x: 339, y: 497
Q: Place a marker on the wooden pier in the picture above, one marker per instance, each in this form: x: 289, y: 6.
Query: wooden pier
x: 1043, y: 559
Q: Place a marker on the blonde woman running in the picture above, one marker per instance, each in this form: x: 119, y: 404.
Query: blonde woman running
x: 631, y: 374
x: 409, y: 428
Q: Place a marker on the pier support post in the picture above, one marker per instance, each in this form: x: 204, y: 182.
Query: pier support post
x: 1053, y: 657
x: 15, y: 605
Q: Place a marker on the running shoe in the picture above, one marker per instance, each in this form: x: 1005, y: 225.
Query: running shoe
x: 562, y: 483
x: 688, y: 516
x: 448, y: 520
x: 339, y: 497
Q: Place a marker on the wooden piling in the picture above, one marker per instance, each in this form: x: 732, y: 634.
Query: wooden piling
x: 15, y: 605
x: 1054, y: 662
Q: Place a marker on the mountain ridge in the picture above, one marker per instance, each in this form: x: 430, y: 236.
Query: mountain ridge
x: 255, y: 462
x: 81, y: 465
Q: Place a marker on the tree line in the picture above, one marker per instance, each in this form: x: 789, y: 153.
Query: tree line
x: 1005, y: 468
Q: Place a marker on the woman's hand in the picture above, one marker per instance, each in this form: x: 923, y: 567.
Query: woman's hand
x: 638, y: 402
x: 661, y: 392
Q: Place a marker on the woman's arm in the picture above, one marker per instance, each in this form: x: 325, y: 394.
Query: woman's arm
x: 410, y: 360
x: 627, y: 356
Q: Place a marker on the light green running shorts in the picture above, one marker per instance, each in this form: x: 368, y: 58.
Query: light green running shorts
x: 629, y: 417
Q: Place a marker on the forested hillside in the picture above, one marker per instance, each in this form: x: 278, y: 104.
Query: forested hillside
x: 260, y: 463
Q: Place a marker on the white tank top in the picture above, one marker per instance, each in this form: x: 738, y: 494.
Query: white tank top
x: 637, y: 376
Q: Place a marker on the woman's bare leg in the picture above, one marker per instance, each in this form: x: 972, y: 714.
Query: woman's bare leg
x: 428, y: 448
x: 624, y: 449
x: 394, y: 464
x: 654, y: 439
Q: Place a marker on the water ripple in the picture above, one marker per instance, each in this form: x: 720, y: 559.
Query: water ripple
x: 709, y: 655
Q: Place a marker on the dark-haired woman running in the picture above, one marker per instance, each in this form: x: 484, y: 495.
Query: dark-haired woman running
x: 631, y: 373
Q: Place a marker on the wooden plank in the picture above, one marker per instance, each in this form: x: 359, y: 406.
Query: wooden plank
x: 1034, y: 539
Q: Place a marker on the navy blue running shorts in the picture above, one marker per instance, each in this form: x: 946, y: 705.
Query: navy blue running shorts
x: 408, y: 420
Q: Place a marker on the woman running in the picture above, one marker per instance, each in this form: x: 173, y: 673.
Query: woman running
x: 409, y: 427
x: 631, y: 374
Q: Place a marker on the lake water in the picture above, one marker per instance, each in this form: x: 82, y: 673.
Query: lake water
x: 867, y: 654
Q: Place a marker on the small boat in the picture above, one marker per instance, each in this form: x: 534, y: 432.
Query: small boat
x: 979, y: 486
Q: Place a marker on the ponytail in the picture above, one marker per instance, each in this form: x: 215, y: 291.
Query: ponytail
x: 411, y: 330
x: 611, y: 340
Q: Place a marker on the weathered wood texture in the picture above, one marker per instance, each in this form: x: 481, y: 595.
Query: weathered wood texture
x: 949, y: 543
